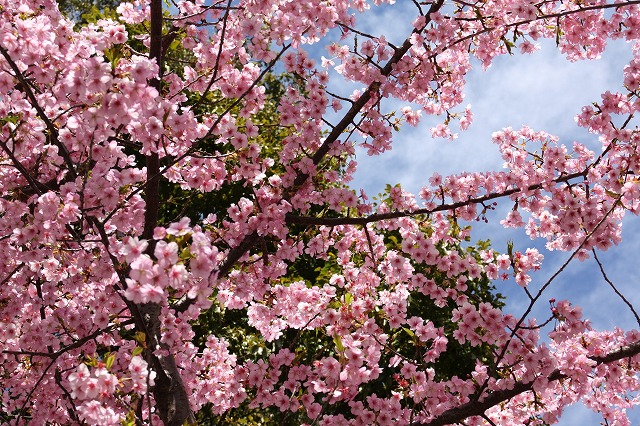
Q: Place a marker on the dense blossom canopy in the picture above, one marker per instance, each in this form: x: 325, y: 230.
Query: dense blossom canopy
x: 99, y: 296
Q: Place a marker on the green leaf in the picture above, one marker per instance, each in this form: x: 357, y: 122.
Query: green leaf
x: 136, y: 351
x: 409, y: 332
x: 348, y: 298
x: 11, y: 118
x: 140, y: 337
x: 338, y: 341
x: 175, y: 44
x: 109, y: 360
x: 130, y: 420
x: 185, y: 254
x: 508, y: 44
x: 113, y: 55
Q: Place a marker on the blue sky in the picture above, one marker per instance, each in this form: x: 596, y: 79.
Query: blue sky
x: 545, y: 92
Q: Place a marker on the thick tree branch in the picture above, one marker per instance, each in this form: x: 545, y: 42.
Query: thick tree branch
x: 78, y: 343
x: 152, y: 187
x: 358, y: 105
x: 516, y: 24
x: 169, y: 390
x: 477, y: 408
x: 334, y: 221
x: 250, y: 240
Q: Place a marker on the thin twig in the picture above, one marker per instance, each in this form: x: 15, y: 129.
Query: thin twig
x: 620, y: 295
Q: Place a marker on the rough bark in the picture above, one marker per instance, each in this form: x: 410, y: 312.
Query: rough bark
x: 169, y: 392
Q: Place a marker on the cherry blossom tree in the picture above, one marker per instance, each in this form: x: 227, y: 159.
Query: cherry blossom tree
x: 101, y: 292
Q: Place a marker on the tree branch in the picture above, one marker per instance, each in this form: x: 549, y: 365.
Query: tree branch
x: 477, y: 408
x: 169, y: 391
x: 615, y: 289
x: 250, y: 240
x: 334, y: 221
x: 51, y: 128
